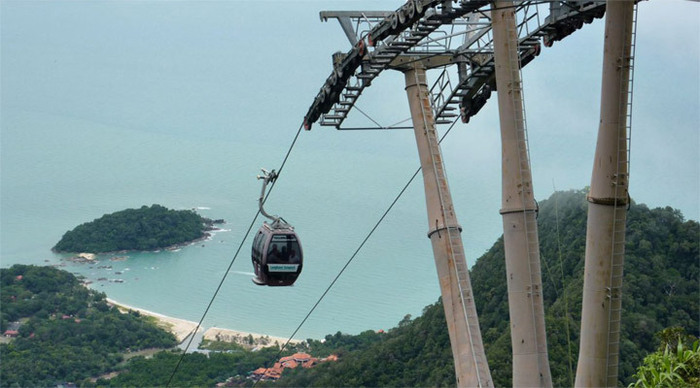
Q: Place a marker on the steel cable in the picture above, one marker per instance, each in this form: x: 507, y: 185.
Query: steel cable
x: 362, y: 244
x: 245, y: 237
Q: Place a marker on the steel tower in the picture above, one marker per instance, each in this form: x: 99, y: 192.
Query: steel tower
x: 520, y: 239
x: 430, y: 35
x: 607, y: 208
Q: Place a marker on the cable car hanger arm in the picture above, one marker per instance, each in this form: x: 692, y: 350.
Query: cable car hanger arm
x: 267, y: 177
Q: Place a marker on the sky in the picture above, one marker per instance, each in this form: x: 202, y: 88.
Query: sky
x: 248, y: 70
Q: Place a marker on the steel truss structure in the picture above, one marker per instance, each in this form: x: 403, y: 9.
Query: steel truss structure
x: 482, y: 38
x: 437, y: 34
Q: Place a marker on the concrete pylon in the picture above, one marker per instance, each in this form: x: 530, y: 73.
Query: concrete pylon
x: 471, y: 367
x: 607, y: 210
x: 520, y: 237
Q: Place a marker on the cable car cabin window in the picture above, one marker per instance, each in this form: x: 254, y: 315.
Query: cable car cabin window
x: 284, y: 249
x: 258, y: 246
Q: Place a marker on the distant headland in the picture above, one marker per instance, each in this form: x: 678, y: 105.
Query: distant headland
x: 144, y: 229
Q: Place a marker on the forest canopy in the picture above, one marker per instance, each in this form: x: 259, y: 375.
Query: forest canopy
x: 64, y: 331
x: 147, y: 228
x: 660, y: 290
x: 660, y: 294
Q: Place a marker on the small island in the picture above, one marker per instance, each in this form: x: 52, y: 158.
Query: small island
x: 145, y: 229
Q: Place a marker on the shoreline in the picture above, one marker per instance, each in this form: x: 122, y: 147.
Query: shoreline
x: 207, y: 236
x: 183, y: 328
x: 245, y: 338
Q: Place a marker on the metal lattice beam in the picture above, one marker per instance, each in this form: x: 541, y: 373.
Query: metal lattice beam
x: 438, y: 34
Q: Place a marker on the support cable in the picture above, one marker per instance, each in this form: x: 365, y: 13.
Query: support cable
x: 362, y: 244
x: 366, y: 115
x: 218, y: 288
x: 563, y: 288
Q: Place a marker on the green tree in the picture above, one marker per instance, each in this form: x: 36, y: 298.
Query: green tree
x: 661, y: 250
x: 674, y: 366
x: 67, y: 332
x: 147, y: 228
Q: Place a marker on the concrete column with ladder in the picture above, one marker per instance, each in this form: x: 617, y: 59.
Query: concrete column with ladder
x: 607, y: 206
x: 520, y: 237
x: 471, y: 367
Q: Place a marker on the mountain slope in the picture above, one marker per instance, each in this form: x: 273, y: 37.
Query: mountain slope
x: 660, y: 290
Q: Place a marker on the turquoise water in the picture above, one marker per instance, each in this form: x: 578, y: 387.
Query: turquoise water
x: 58, y: 172
x: 118, y: 105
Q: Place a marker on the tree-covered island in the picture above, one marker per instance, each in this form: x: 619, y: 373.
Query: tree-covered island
x: 144, y: 229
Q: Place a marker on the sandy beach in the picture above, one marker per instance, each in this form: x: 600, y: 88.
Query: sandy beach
x: 181, y: 328
x: 245, y: 338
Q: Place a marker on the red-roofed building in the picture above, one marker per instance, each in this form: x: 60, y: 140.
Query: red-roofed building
x: 11, y: 333
x: 275, y: 372
x: 19, y: 277
x: 301, y: 357
x: 286, y: 359
x: 291, y: 362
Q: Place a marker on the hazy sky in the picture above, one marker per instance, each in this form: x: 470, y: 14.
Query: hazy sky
x: 250, y: 70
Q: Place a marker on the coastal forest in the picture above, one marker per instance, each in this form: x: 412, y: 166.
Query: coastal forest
x: 143, y: 229
x: 660, y: 307
x: 56, y: 330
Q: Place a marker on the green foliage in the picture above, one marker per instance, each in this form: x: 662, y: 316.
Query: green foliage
x: 412, y: 354
x: 660, y: 290
x: 660, y: 287
x: 196, y: 369
x: 147, y: 228
x: 220, y: 346
x: 67, y: 332
x: 676, y: 365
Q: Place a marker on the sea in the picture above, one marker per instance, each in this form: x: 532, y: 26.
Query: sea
x: 120, y: 105
x: 59, y: 172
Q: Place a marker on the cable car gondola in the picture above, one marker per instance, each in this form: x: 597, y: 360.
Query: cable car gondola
x: 277, y: 256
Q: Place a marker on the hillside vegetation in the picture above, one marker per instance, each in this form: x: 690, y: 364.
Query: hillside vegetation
x: 660, y: 290
x: 69, y: 333
x: 143, y: 229
x: 64, y: 332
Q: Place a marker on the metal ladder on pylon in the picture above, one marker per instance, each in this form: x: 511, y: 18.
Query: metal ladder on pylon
x: 620, y: 216
x: 456, y: 248
x: 529, y: 220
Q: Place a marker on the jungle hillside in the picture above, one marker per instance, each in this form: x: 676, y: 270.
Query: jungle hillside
x: 55, y: 330
x: 660, y: 290
x: 65, y: 332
